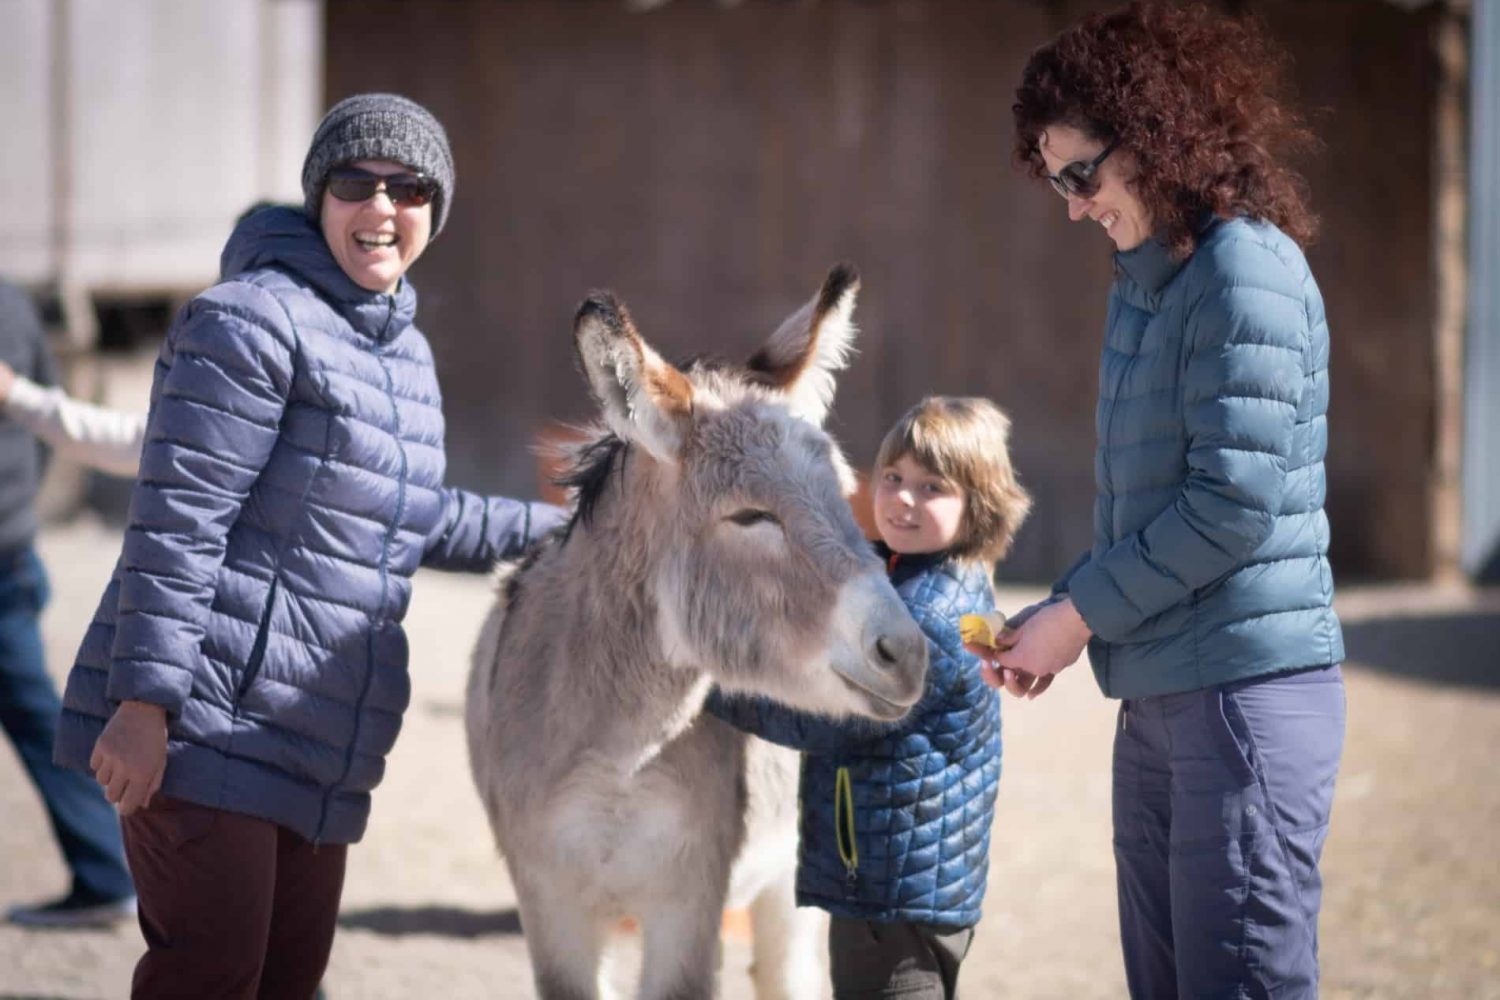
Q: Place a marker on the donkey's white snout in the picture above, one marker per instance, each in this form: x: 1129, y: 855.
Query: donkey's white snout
x: 886, y: 659
x: 899, y: 650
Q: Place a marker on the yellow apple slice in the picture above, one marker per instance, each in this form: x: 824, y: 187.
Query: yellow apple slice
x: 981, y: 630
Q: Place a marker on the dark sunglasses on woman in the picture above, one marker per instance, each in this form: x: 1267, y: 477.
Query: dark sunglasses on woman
x: 354, y: 184
x: 1077, y: 178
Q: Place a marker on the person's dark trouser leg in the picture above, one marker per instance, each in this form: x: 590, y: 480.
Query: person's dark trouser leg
x: 1142, y: 815
x: 1254, y: 764
x: 83, y: 822
x: 870, y: 960
x: 309, y: 881
x: 206, y: 881
x: 949, y: 949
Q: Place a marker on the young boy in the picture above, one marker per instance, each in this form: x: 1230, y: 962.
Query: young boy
x: 895, y: 820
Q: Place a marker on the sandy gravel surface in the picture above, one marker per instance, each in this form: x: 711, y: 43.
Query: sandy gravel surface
x: 1412, y: 903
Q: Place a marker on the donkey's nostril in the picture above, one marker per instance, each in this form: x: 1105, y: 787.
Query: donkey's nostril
x: 887, y: 650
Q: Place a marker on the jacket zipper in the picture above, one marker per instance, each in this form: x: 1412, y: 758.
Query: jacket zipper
x: 378, y: 623
x: 1104, y: 446
x: 843, y: 828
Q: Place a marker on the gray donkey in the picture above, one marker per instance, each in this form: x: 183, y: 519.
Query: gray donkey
x: 712, y: 543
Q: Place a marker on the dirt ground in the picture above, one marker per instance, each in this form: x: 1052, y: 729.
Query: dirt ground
x: 1412, y: 905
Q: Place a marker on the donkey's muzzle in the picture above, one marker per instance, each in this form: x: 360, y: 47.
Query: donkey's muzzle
x: 897, y: 654
x: 883, y: 657
x: 893, y: 675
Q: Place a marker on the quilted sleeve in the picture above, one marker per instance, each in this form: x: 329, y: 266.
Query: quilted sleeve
x: 788, y: 727
x: 1060, y: 587
x: 475, y: 532
x: 209, y: 434
x: 1242, y: 378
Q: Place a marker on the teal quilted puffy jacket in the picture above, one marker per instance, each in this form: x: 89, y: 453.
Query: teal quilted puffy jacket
x: 1210, y: 554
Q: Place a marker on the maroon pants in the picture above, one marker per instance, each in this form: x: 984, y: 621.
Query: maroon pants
x: 231, y: 906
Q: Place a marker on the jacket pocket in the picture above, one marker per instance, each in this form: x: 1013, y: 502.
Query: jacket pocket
x: 843, y: 824
x: 258, y: 648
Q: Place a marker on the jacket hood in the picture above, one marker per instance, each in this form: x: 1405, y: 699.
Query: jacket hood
x: 284, y: 238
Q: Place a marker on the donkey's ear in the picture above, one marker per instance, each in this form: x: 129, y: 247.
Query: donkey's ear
x: 644, y: 398
x: 801, y: 356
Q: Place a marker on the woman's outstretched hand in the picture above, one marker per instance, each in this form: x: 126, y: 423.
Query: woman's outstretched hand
x: 1049, y: 638
x: 1045, y: 644
x: 130, y: 756
x: 1017, y: 683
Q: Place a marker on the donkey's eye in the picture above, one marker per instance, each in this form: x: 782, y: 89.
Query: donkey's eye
x: 751, y: 516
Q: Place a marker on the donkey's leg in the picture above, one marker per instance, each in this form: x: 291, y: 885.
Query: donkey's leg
x: 681, y: 950
x: 566, y: 943
x: 789, y: 944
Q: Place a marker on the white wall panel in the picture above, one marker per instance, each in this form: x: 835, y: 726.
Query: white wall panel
x: 172, y: 118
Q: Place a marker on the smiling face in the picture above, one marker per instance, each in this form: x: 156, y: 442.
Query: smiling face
x: 1113, y: 206
x: 916, y: 510
x: 374, y: 240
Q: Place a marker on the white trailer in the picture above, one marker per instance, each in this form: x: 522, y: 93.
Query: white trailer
x: 135, y: 131
x: 132, y: 134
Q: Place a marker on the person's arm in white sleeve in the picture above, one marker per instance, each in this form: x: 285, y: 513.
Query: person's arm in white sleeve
x: 96, y: 436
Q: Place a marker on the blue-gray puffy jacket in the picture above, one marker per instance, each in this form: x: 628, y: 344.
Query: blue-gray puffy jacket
x: 291, y: 483
x: 1210, y: 555
x: 895, y: 820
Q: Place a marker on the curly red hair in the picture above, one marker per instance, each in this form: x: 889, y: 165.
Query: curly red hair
x: 1195, y: 97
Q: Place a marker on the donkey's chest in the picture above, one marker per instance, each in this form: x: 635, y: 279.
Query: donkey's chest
x: 622, y: 832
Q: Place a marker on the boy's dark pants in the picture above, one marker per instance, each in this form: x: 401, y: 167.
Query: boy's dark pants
x: 1221, y: 804
x: 87, y: 829
x: 231, y: 906
x: 875, y: 961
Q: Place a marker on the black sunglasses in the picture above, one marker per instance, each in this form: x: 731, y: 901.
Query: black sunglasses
x: 354, y: 184
x: 1077, y: 178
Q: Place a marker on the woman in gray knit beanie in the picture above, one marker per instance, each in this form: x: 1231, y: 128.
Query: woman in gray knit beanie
x: 246, y: 671
x: 380, y: 127
x: 361, y: 140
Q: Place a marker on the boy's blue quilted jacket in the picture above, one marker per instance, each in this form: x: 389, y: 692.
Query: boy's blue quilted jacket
x: 291, y: 483
x: 895, y: 820
x: 1210, y: 555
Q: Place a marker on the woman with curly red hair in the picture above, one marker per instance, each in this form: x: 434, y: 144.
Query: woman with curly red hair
x: 1206, y: 599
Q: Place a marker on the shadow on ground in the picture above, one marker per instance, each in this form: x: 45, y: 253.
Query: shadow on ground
x: 445, y: 921
x: 1461, y: 649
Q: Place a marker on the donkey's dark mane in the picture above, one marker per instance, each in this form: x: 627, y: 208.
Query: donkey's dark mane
x: 589, y: 472
x: 588, y: 475
x: 593, y: 464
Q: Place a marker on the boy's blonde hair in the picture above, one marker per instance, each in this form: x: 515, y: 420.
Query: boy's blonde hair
x: 964, y: 439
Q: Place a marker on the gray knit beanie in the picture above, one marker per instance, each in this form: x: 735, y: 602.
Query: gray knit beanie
x: 379, y: 127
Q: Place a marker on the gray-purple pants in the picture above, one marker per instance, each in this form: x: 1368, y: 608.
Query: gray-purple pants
x: 1221, y: 805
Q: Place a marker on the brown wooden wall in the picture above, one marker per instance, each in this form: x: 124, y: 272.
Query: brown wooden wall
x: 710, y: 164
